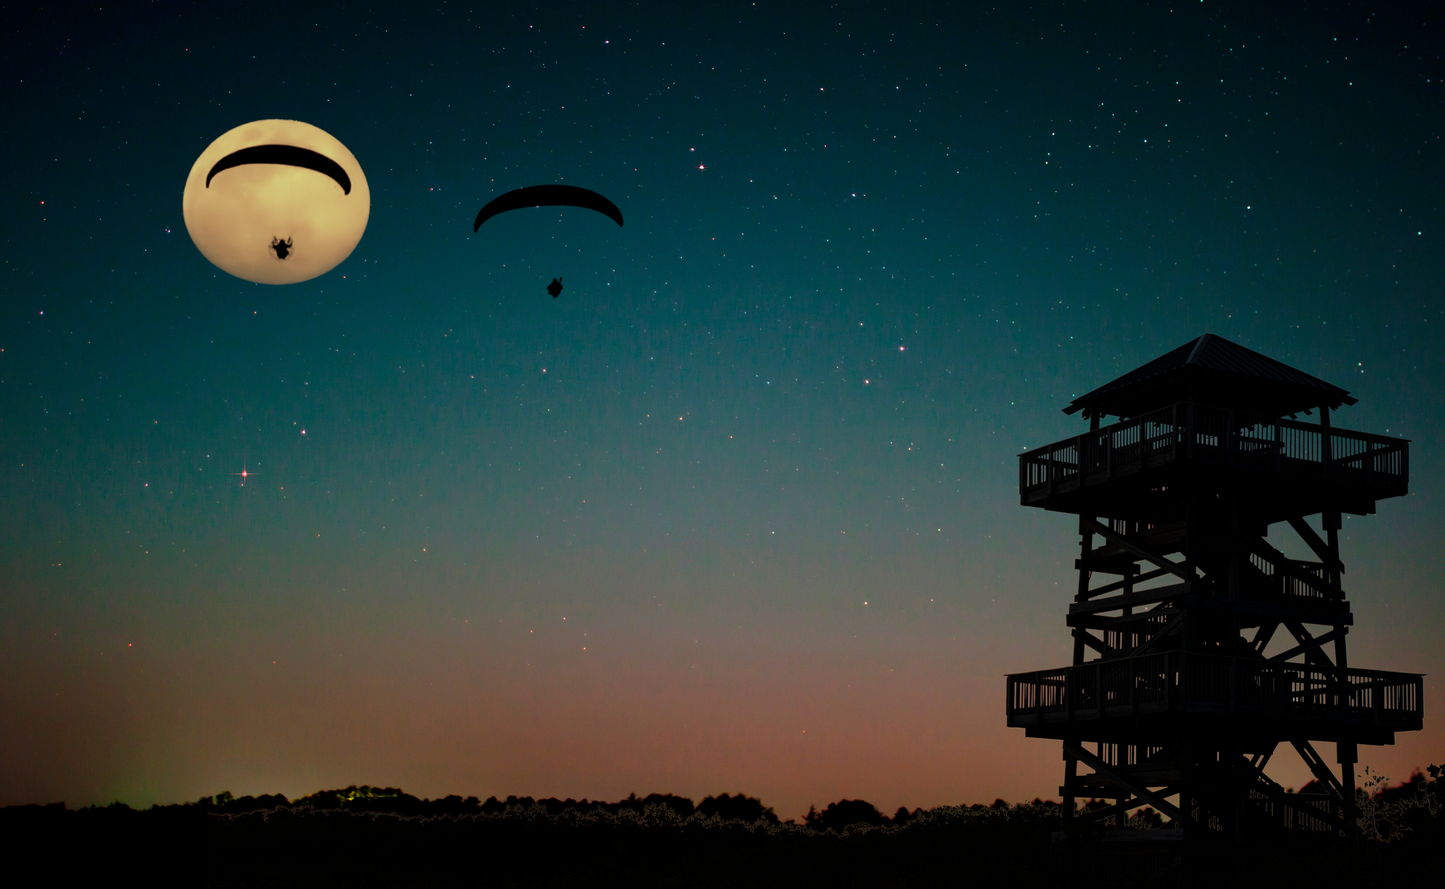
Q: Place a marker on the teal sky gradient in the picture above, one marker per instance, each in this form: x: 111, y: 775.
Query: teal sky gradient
x: 738, y: 512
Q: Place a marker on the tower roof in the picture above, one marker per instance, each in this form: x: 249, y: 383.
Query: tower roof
x: 1211, y: 370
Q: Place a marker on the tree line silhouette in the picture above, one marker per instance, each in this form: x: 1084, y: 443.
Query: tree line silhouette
x: 382, y: 836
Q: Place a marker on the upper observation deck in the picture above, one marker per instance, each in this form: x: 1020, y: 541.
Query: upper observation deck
x: 1213, y: 417
x: 1139, y: 464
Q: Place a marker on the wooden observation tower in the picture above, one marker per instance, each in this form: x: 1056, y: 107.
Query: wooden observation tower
x: 1199, y: 647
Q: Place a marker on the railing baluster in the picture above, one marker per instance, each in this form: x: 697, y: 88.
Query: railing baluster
x: 1133, y: 681
x: 1297, y: 448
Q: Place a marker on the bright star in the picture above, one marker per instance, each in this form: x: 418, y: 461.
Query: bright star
x: 244, y: 473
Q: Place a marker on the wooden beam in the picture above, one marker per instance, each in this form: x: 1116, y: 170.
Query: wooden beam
x: 1270, y: 788
x: 1158, y: 560
x: 1162, y: 540
x: 1319, y: 768
x: 1097, y: 644
x: 1120, y: 584
x: 1334, y: 615
x: 1144, y: 597
x: 1120, y: 564
x: 1286, y: 566
x: 1094, y: 622
x: 1303, y: 637
x: 1124, y: 806
x: 1310, y: 642
x: 1262, y: 759
x: 1308, y: 535
x: 1262, y: 636
x: 1104, y: 768
x: 1174, y: 623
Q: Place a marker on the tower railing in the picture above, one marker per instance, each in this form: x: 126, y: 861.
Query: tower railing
x: 1187, y: 431
x: 1289, y: 585
x: 1178, y: 681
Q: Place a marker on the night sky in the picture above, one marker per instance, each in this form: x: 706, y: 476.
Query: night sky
x: 738, y: 512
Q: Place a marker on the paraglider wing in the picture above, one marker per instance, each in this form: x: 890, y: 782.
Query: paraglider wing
x: 548, y: 196
x: 290, y: 155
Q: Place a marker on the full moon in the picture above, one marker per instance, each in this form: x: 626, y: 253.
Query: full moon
x: 276, y: 202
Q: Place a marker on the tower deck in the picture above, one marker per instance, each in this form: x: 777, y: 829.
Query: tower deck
x: 1147, y: 699
x: 1280, y: 467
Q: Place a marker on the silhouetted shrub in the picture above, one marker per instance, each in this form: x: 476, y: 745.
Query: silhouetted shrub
x: 845, y: 813
x: 1389, y: 814
x: 736, y: 808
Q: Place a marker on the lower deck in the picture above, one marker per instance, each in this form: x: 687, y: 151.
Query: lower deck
x: 1132, y: 697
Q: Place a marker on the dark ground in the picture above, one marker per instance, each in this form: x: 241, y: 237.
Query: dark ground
x: 372, y: 837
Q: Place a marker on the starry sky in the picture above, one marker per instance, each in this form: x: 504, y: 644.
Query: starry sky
x: 738, y: 512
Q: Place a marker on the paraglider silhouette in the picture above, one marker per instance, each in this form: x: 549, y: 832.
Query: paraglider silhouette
x: 555, y: 288
x: 548, y: 196
x: 288, y: 155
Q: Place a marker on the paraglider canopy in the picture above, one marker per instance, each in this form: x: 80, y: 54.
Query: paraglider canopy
x: 548, y: 196
x: 288, y: 155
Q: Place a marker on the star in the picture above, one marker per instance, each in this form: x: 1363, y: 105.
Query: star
x: 244, y: 474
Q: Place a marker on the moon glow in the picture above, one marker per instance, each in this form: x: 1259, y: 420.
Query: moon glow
x: 276, y: 202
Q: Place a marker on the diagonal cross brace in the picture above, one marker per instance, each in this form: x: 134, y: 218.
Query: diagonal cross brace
x: 1318, y: 766
x: 1309, y: 642
x: 1262, y: 759
x: 1142, y: 597
x: 1124, y: 806
x: 1308, y: 535
x: 1104, y: 768
x: 1094, y: 642
x: 1263, y: 635
x: 1271, y: 789
x: 1120, y: 584
x: 1174, y: 623
x: 1284, y: 566
x: 1108, y: 534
